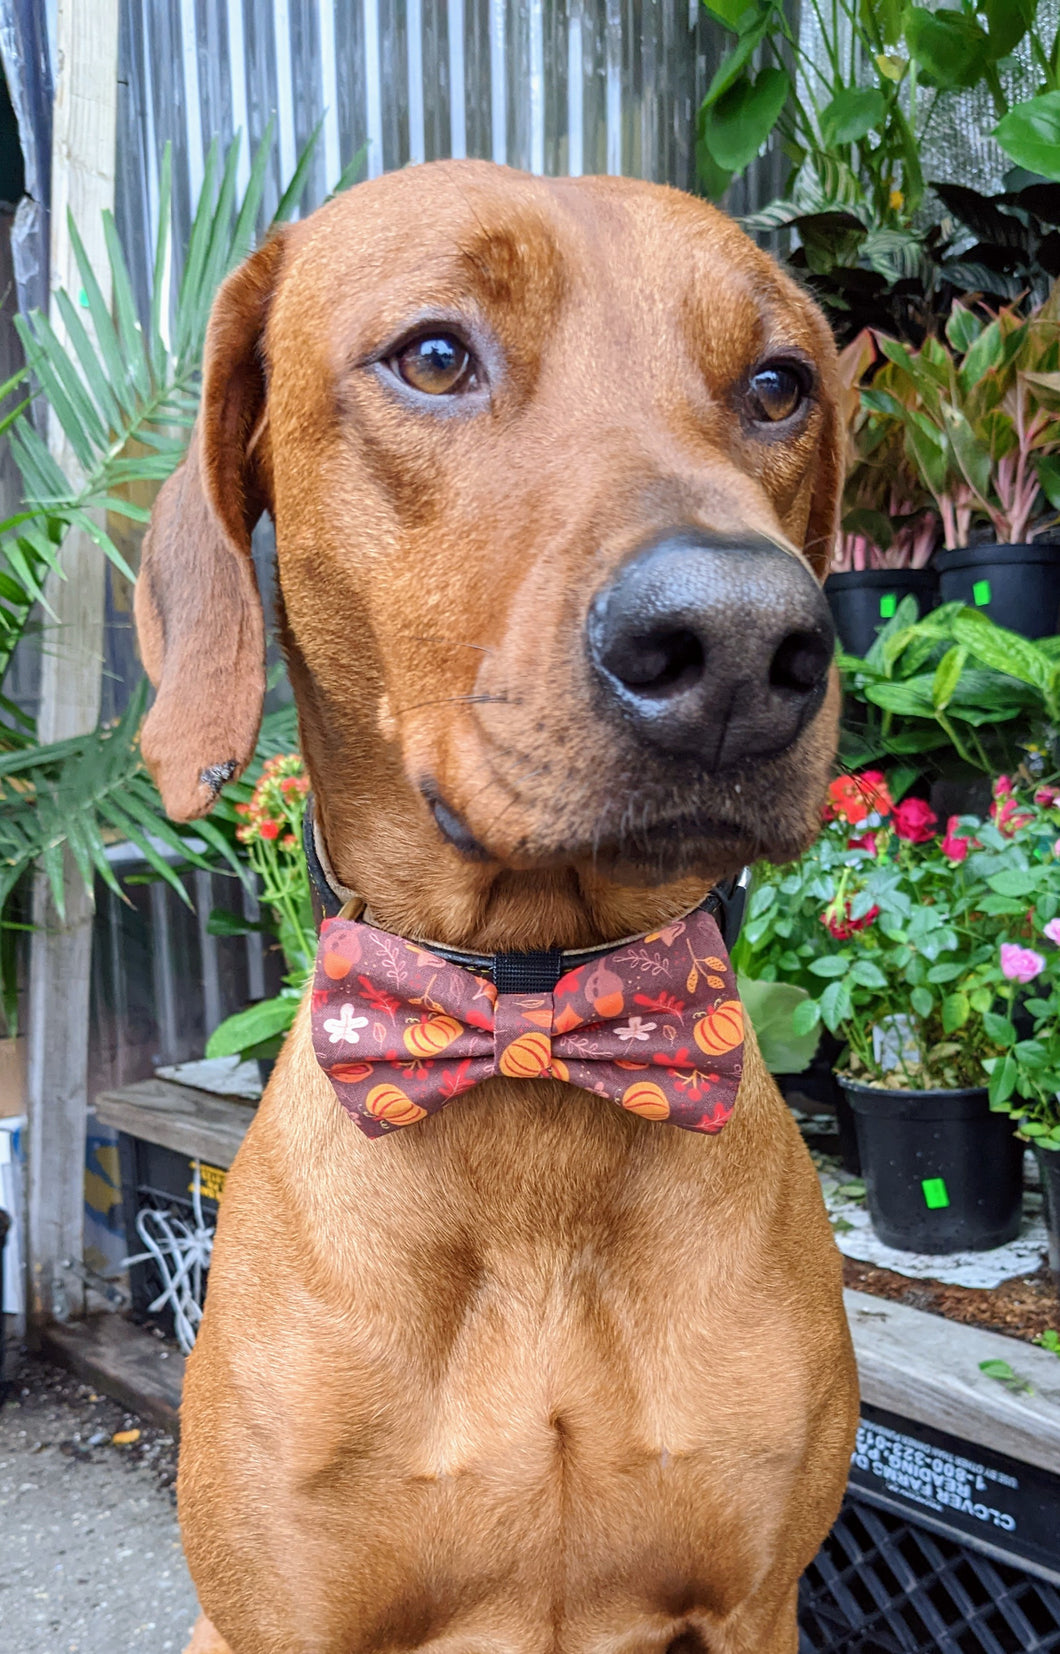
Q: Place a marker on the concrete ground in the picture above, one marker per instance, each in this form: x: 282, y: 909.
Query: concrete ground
x: 90, y: 1558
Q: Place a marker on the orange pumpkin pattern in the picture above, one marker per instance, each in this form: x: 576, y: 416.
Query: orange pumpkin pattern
x: 646, y: 1099
x: 401, y: 1032
x: 720, y: 1029
x: 389, y: 1103
x: 429, y: 1037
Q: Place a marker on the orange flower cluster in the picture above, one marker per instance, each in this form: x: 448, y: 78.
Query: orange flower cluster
x: 853, y: 798
x: 274, y: 814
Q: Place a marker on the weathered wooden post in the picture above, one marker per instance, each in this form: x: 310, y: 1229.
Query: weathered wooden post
x: 86, y: 94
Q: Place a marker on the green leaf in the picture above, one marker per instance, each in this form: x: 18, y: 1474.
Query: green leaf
x: 771, y: 1007
x: 1007, y: 22
x: 867, y: 975
x: 999, y: 1030
x: 738, y: 124
x: 963, y: 328
x: 805, y: 1016
x: 836, y: 1005
x: 1048, y: 469
x: 728, y: 12
x: 923, y: 1001
x: 947, y: 677
x: 1014, y: 881
x: 831, y: 965
x: 956, y: 1009
x: 950, y: 47
x: 292, y: 195
x: 1004, y: 1374
x: 1005, y: 651
x: 252, y: 1026
x: 223, y: 922
x: 852, y: 114
x: 1003, y: 1079
x: 1030, y: 134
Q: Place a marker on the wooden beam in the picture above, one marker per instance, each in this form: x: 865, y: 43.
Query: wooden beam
x: 196, y: 1123
x: 83, y: 161
x: 927, y: 1369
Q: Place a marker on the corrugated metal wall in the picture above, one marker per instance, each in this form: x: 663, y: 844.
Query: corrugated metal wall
x: 566, y: 86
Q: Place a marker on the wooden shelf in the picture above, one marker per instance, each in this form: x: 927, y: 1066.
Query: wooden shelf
x: 196, y: 1123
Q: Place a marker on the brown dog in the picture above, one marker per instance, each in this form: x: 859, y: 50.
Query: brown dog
x: 550, y: 462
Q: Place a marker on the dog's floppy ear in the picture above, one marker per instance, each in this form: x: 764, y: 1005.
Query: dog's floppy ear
x: 198, y: 612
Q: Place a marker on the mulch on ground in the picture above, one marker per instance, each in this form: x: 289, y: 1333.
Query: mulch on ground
x: 1021, y: 1308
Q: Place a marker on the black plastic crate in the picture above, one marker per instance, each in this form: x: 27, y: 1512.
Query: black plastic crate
x: 940, y: 1545
x: 159, y: 1179
x: 884, y: 1585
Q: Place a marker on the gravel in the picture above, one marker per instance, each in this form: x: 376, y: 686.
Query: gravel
x: 90, y: 1557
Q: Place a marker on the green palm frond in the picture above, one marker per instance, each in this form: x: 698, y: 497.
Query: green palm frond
x: 124, y: 392
x: 86, y: 792
x: 124, y: 395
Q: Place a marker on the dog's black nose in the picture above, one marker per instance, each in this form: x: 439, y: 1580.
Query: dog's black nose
x: 717, y: 649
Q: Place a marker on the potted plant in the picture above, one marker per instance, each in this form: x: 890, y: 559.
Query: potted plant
x: 270, y: 829
x: 953, y: 699
x: 1024, y: 1080
x: 913, y: 922
x: 978, y: 415
x: 889, y: 527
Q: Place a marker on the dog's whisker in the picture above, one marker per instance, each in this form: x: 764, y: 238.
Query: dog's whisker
x: 456, y: 700
x: 446, y: 642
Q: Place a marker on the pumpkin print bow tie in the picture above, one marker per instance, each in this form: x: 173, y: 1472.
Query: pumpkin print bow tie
x: 656, y: 1026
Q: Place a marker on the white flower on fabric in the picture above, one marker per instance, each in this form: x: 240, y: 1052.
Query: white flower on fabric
x: 636, y: 1028
x: 343, y: 1028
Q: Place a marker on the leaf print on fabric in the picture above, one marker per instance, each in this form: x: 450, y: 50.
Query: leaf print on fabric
x: 342, y: 1030
x: 636, y: 1028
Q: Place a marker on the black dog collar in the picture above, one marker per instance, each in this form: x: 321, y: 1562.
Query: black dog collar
x: 516, y: 973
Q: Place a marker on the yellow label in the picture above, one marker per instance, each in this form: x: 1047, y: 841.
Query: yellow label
x: 211, y: 1181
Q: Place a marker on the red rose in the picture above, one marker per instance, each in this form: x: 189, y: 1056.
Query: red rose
x: 843, y: 928
x: 914, y: 820
x: 953, y: 845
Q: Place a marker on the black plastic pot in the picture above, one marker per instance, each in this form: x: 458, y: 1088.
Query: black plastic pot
x: 942, y: 1173
x: 1017, y: 586
x: 1049, y: 1167
x: 865, y: 599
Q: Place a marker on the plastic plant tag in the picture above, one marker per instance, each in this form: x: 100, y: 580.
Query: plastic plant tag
x: 894, y: 1044
x: 936, y: 1194
x: 981, y: 593
x: 888, y: 605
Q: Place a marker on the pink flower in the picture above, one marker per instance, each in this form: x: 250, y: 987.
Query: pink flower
x: 1047, y: 796
x: 1020, y: 964
x: 867, y: 841
x: 1052, y: 930
x: 1004, y: 811
x: 1056, y: 848
x: 953, y: 845
x: 914, y: 820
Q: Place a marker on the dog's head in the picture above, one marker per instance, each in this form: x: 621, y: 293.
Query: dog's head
x: 554, y: 468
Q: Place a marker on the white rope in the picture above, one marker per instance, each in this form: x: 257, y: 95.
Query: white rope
x: 180, y: 1251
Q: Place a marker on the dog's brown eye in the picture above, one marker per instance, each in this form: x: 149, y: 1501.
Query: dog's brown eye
x: 776, y: 392
x: 436, y: 364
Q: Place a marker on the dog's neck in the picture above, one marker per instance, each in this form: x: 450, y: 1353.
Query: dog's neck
x: 415, y: 884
